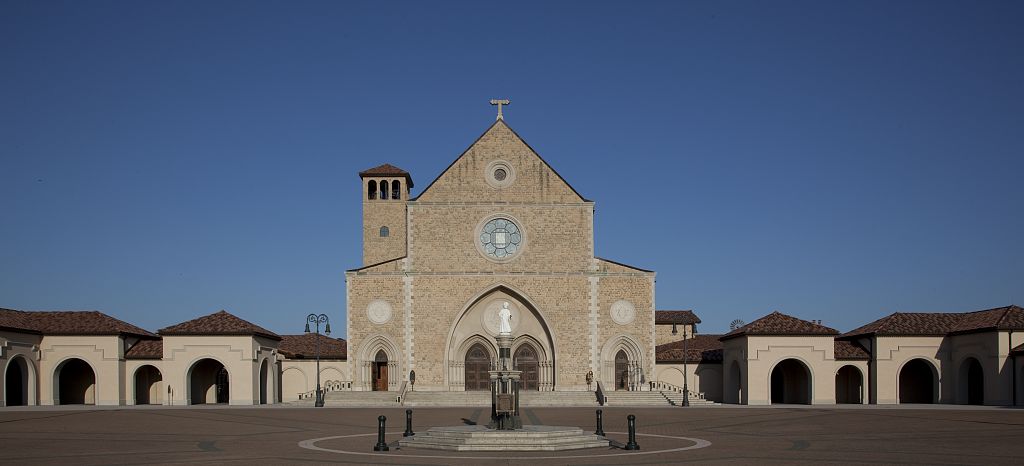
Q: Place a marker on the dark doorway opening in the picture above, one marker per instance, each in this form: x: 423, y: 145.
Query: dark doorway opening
x: 380, y: 372
x: 917, y: 382
x: 791, y: 383
x: 525, y: 360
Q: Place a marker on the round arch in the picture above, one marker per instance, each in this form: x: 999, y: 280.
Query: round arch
x: 147, y: 385
x: 294, y: 383
x: 265, y: 389
x: 709, y: 381
x: 849, y: 385
x: 207, y: 381
x: 74, y: 382
x: 791, y: 382
x: 918, y: 382
x: 613, y: 350
x: 970, y: 382
x: 19, y: 382
x: 467, y: 325
x: 369, y: 366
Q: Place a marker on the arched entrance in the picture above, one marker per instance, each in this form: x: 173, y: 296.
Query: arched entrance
x: 17, y: 389
x: 380, y: 372
x: 791, y: 383
x: 917, y: 382
x: 972, y: 382
x: 208, y: 382
x: 147, y: 386
x: 525, y: 360
x: 478, y: 363
x: 264, y: 376
x: 621, y: 370
x: 734, y: 385
x: 75, y: 382
x: 849, y: 386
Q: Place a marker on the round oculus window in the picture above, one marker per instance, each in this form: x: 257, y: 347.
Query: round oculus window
x: 500, y: 174
x: 500, y: 238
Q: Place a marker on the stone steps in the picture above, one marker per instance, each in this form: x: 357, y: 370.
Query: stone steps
x: 624, y: 398
x: 347, y: 399
x: 440, y: 399
x: 479, y: 438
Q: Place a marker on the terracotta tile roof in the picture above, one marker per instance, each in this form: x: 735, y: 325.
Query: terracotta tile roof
x: 943, y: 323
x: 68, y: 323
x: 686, y: 317
x: 387, y: 170
x: 218, y: 323
x: 146, y: 349
x: 304, y: 347
x: 778, y: 323
x: 700, y: 348
x: 851, y: 350
x: 1018, y: 350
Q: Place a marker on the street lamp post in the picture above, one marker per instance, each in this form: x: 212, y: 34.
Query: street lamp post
x: 317, y: 320
x: 686, y: 385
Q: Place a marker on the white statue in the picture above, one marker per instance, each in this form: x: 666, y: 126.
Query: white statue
x: 506, y: 317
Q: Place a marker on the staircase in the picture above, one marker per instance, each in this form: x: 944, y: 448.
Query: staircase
x: 625, y: 398
x: 348, y: 399
x: 427, y: 399
x: 532, y: 399
x: 696, y: 399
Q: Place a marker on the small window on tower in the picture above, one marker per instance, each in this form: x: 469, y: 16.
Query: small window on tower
x: 396, y: 189
x: 383, y: 189
x: 371, y: 190
x: 384, y: 232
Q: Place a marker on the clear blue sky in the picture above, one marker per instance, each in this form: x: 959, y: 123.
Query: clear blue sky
x: 831, y: 160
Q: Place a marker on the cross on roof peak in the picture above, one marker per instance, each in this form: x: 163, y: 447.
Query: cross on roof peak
x: 499, y: 103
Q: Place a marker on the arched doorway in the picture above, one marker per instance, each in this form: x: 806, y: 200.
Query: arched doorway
x: 264, y: 373
x: 75, y: 382
x: 791, y: 383
x: 849, y: 386
x: 478, y: 363
x: 621, y: 370
x: 209, y: 382
x: 380, y: 372
x: 734, y: 386
x: 972, y: 382
x: 147, y: 386
x: 917, y: 382
x: 16, y: 382
x: 525, y: 360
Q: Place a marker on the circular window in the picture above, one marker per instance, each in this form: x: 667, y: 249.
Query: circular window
x: 500, y: 238
x: 499, y: 174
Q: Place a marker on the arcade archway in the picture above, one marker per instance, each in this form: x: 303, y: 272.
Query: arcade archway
x: 208, y: 382
x: 19, y: 383
x: 972, y: 382
x: 148, y: 386
x: 791, y: 383
x: 849, y: 385
x: 75, y: 382
x: 918, y: 382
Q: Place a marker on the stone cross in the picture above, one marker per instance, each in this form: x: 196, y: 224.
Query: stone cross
x: 499, y: 103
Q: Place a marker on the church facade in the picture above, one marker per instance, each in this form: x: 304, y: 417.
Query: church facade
x: 498, y: 226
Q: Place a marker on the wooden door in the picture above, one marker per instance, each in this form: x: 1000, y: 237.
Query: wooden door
x: 380, y: 372
x: 478, y: 363
x: 621, y: 371
x: 526, y: 360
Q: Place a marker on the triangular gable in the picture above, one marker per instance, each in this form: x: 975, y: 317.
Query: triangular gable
x: 466, y: 178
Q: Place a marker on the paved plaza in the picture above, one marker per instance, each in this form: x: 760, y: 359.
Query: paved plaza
x: 276, y: 435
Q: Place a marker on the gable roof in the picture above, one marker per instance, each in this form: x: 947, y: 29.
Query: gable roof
x: 699, y: 349
x: 304, y: 346
x: 943, y: 323
x: 218, y: 323
x: 68, y: 323
x: 850, y: 350
x: 146, y: 349
x: 778, y: 323
x: 686, y: 317
x: 387, y: 170
x: 520, y: 138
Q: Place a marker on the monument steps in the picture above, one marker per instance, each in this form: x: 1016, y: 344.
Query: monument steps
x: 529, y: 438
x: 348, y: 399
x: 624, y: 398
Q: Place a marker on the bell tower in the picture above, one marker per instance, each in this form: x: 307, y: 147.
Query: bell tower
x: 385, y: 192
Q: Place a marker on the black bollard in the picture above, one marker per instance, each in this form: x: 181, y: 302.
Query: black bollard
x: 631, y: 445
x: 381, y: 444
x: 600, y: 425
x: 408, y: 424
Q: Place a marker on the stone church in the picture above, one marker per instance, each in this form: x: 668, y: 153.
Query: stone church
x: 499, y: 225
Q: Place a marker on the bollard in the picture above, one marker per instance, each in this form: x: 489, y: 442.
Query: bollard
x: 631, y: 445
x: 408, y: 424
x: 381, y: 444
x: 600, y: 425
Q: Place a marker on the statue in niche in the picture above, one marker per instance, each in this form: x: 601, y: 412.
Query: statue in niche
x: 506, y: 317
